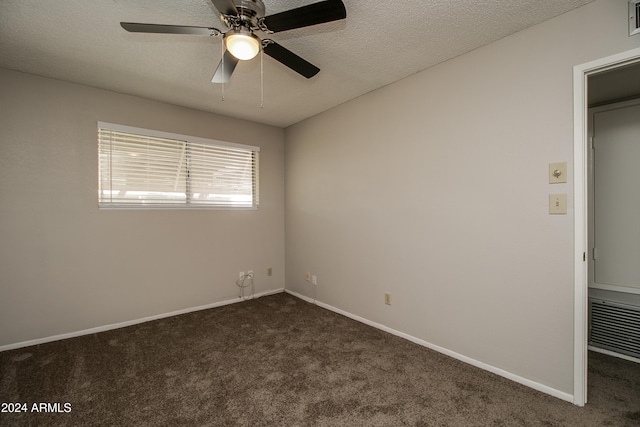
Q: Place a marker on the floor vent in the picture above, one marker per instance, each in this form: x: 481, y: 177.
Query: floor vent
x: 634, y: 17
x: 614, y: 327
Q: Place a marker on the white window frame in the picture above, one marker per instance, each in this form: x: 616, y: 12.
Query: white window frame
x: 105, y: 203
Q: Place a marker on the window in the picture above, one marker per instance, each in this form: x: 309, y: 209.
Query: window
x: 140, y: 168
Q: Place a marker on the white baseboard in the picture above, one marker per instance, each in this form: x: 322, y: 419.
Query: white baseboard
x: 521, y: 380
x: 131, y: 322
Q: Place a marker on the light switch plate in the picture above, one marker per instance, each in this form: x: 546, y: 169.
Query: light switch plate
x: 557, y: 173
x: 558, y: 204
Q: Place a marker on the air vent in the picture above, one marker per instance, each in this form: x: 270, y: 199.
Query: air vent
x: 614, y: 327
x: 634, y: 17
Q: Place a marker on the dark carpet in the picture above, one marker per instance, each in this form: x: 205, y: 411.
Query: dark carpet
x: 280, y: 361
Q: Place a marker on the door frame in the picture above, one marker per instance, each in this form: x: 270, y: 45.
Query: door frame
x: 580, y: 198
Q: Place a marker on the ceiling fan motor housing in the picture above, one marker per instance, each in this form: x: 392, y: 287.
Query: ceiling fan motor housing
x: 249, y: 13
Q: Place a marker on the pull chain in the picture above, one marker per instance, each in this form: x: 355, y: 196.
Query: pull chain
x: 261, y: 78
x: 222, y: 64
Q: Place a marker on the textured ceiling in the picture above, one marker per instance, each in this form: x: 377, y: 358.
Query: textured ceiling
x: 380, y: 42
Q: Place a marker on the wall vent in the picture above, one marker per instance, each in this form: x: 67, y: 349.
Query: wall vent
x: 634, y: 17
x: 614, y: 327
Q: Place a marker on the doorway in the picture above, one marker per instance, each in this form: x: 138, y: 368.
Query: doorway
x: 597, y: 82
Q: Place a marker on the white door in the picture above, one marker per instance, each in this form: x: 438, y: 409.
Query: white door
x: 616, y: 197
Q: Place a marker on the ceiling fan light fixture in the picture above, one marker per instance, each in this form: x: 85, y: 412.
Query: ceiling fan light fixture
x: 242, y: 44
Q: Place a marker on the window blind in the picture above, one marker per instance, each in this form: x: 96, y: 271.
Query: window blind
x: 141, y: 168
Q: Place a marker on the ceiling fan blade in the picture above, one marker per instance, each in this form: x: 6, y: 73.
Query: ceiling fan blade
x: 225, y: 68
x: 135, y: 27
x: 316, y: 13
x: 290, y: 59
x: 226, y: 7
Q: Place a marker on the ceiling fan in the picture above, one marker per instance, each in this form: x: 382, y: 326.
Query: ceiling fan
x: 243, y: 18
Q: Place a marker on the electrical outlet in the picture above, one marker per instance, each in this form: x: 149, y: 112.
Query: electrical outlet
x: 241, y: 275
x: 250, y: 273
x: 314, y: 280
x: 308, y: 277
x: 387, y: 298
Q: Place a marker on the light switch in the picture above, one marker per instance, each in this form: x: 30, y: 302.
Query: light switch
x: 557, y: 172
x: 558, y: 204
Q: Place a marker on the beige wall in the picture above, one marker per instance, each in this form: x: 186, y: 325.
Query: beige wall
x: 66, y: 266
x: 435, y: 189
